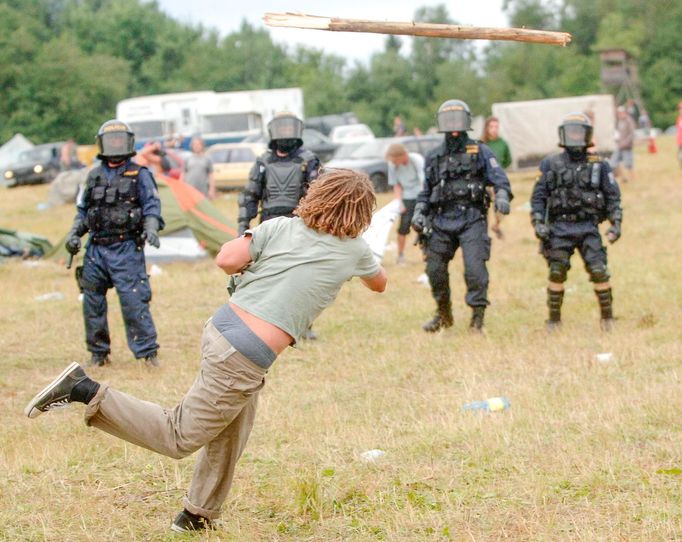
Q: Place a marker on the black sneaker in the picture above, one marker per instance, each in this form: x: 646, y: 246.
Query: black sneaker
x: 186, y: 522
x: 99, y: 360
x: 56, y: 394
x: 152, y: 360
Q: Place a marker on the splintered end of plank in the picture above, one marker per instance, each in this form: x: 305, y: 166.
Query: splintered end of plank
x: 297, y: 20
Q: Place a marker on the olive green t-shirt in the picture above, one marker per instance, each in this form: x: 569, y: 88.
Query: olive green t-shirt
x: 296, y: 272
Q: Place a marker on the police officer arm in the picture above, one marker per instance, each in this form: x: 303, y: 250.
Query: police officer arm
x: 538, y: 202
x: 251, y: 196
x: 423, y: 207
x: 497, y: 178
x: 312, y: 172
x: 79, y: 227
x: 150, y: 202
x: 614, y: 211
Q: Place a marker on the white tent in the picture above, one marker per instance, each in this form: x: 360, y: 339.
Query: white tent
x: 9, y: 152
x: 530, y: 127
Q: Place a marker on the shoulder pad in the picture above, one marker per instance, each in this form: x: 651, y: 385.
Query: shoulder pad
x: 307, y: 155
x: 94, y: 172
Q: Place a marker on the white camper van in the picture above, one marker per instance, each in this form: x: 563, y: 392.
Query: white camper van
x: 219, y: 117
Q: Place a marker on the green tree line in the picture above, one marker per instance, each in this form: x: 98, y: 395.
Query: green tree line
x: 64, y: 64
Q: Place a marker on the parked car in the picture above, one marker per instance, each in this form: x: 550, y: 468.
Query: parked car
x: 351, y: 133
x: 319, y: 144
x: 39, y: 164
x: 232, y: 163
x: 370, y: 157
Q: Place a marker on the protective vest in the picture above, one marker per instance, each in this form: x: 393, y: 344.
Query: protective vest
x: 574, y: 189
x: 284, y: 180
x: 113, y: 206
x: 461, y: 180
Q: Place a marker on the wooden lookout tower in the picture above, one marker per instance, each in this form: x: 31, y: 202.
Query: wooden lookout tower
x: 619, y: 75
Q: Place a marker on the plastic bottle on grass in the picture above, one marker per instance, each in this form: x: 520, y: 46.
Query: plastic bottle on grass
x: 494, y: 404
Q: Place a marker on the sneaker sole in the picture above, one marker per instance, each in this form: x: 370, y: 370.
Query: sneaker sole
x: 31, y: 411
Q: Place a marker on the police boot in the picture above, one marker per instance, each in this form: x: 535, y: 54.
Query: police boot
x: 554, y: 301
x: 442, y: 319
x: 605, y: 298
x: 476, y: 323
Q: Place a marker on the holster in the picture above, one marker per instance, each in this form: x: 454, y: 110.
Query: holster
x: 79, y: 275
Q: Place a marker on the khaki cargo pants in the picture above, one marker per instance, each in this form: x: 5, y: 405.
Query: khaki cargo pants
x: 215, y: 415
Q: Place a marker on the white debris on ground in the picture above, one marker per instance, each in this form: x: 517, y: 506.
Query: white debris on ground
x: 371, y: 456
x: 423, y: 279
x: 52, y: 296
x: 605, y: 357
x: 155, y: 271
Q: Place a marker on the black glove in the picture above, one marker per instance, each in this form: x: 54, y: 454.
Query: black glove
x: 541, y: 230
x: 151, y: 231
x: 73, y: 244
x: 613, y: 233
x: 419, y: 219
x: 73, y: 238
x: 502, y: 202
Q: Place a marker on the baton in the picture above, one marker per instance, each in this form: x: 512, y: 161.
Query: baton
x: 69, y: 261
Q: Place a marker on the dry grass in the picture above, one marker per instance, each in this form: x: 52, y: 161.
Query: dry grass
x: 588, y: 451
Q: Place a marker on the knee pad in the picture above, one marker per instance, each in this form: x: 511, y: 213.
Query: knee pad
x: 598, y: 273
x: 558, y: 271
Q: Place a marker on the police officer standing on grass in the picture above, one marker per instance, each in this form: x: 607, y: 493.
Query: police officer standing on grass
x: 120, y: 209
x: 280, y: 177
x: 451, y: 212
x: 575, y: 192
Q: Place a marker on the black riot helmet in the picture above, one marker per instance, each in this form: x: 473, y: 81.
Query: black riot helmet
x: 286, y: 132
x: 115, y: 141
x: 575, y: 132
x: 453, y: 116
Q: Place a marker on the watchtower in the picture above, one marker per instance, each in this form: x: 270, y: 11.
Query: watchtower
x: 619, y: 75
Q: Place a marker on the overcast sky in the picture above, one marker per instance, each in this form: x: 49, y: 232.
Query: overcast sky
x: 226, y: 16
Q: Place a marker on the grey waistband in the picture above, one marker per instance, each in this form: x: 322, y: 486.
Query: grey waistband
x: 242, y: 338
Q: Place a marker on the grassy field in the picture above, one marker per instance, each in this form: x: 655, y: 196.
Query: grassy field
x: 588, y: 451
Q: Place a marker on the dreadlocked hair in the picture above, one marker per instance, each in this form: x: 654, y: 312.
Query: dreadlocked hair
x: 340, y: 202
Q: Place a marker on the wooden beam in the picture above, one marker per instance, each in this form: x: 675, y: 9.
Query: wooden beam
x: 413, y: 28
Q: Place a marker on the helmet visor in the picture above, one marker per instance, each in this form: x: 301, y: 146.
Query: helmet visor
x: 575, y: 135
x: 116, y: 144
x: 453, y: 120
x: 286, y: 128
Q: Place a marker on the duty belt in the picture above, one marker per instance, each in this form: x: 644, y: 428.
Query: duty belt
x: 112, y: 239
x: 573, y: 218
x: 447, y: 206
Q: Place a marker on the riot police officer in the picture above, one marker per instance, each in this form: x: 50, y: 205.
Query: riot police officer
x: 281, y: 176
x: 451, y: 212
x: 120, y: 209
x: 575, y: 192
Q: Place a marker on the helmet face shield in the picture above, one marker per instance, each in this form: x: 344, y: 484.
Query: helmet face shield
x: 575, y: 135
x: 116, y: 144
x: 454, y: 119
x: 285, y: 127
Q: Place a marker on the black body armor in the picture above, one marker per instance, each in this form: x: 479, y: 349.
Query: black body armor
x: 284, y: 181
x: 461, y: 181
x: 114, y: 208
x: 574, y: 188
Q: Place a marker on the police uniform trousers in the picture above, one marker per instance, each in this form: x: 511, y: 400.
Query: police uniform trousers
x: 565, y: 237
x: 121, y: 266
x: 466, y: 228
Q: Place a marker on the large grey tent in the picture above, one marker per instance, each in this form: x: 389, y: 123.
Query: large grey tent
x: 530, y: 127
x: 10, y: 151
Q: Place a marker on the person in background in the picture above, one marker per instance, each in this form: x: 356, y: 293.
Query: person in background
x: 491, y: 137
x: 198, y: 169
x: 67, y: 157
x: 679, y: 134
x: 289, y: 270
x: 625, y: 140
x: 399, y: 127
x: 406, y: 176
